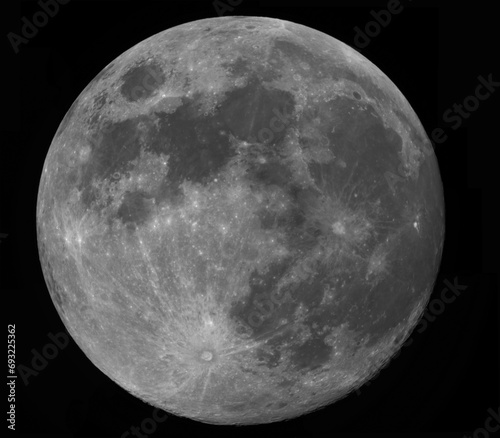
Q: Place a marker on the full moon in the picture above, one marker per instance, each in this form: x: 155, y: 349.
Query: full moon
x: 240, y: 220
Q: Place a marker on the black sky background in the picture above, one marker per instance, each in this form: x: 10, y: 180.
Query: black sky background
x: 440, y: 385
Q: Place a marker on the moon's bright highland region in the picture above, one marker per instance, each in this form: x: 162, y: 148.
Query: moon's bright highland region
x: 240, y: 220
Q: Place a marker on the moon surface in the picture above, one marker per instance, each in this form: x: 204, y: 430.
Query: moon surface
x: 240, y: 220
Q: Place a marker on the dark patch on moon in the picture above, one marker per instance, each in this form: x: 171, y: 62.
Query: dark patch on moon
x: 301, y: 233
x: 311, y: 354
x: 271, y: 173
x: 258, y: 309
x: 309, y: 292
x: 268, y: 356
x: 369, y: 150
x: 197, y: 151
x: 113, y: 151
x: 135, y: 209
x: 249, y: 112
x: 201, y: 153
x: 295, y: 52
x: 141, y: 81
x: 238, y: 68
